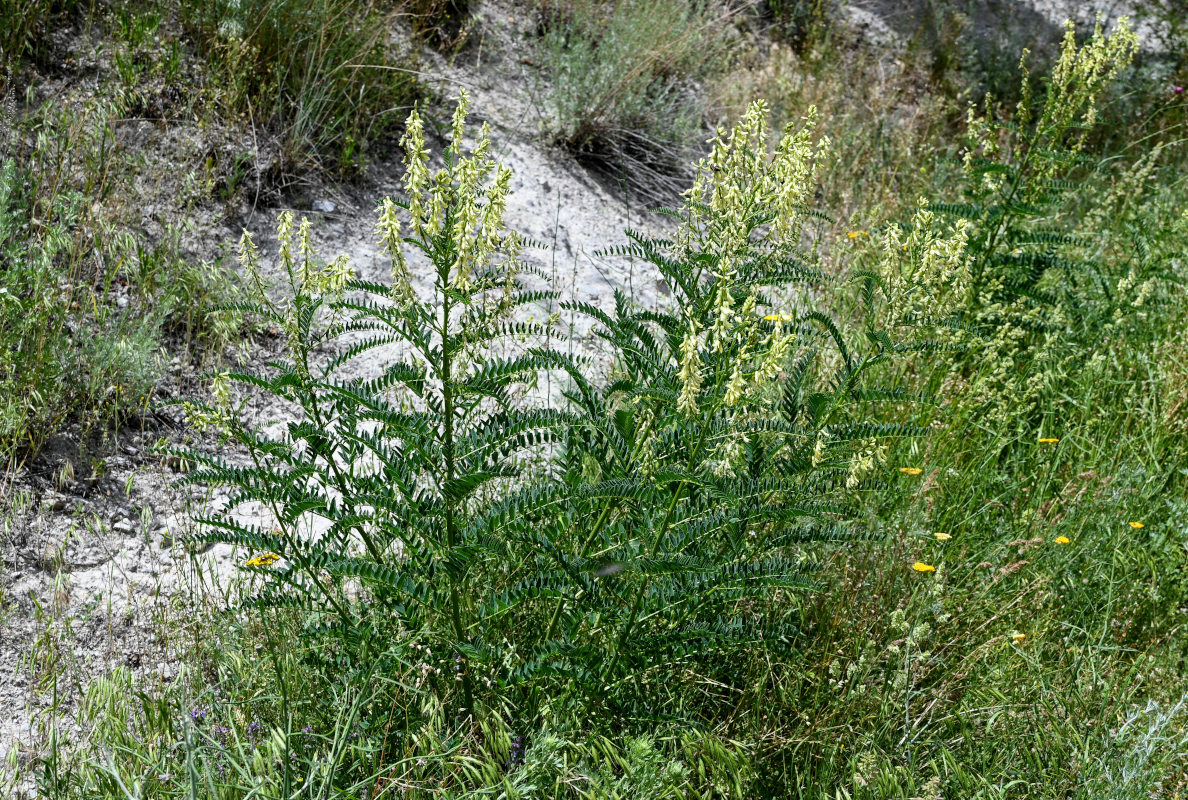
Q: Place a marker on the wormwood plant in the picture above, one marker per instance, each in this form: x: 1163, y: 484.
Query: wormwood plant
x: 589, y: 548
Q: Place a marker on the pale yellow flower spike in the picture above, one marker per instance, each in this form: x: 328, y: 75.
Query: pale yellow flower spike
x: 942, y: 537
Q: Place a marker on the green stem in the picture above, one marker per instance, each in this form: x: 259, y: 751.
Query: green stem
x: 447, y: 397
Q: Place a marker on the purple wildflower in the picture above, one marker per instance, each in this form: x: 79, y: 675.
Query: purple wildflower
x: 198, y: 714
x: 1178, y: 89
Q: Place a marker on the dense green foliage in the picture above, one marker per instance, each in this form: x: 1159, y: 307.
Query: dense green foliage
x: 844, y: 513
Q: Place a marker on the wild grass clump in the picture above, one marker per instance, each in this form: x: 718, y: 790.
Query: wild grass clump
x: 25, y: 26
x: 623, y: 90
x: 320, y: 76
x: 86, y: 304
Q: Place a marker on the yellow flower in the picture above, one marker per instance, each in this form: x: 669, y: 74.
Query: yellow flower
x: 1135, y: 524
x: 264, y: 560
x: 910, y: 470
x: 1049, y: 440
x: 1018, y: 638
x: 942, y: 537
x: 856, y: 234
x: 779, y: 318
x: 1062, y: 540
x: 920, y: 566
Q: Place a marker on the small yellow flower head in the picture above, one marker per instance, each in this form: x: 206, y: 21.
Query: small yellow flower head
x: 819, y: 449
x: 779, y: 318
x: 736, y: 386
x: 264, y: 560
x: 920, y: 566
x: 910, y: 470
x: 337, y: 274
x: 1018, y: 638
x: 460, y: 112
x: 416, y: 163
x: 856, y: 234
x: 388, y: 228
x: 249, y: 256
x: 304, y: 244
x: 1062, y: 540
x: 690, y: 374
x: 249, y: 260
x: 942, y: 537
x: 1135, y: 525
x: 1049, y: 440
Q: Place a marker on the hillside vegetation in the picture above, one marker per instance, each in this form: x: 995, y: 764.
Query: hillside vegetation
x: 881, y: 492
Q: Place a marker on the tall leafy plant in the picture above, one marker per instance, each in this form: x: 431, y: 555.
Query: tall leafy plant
x: 645, y: 524
x: 732, y: 437
x: 1037, y: 283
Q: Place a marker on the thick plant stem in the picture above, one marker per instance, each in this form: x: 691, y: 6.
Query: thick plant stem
x: 447, y: 397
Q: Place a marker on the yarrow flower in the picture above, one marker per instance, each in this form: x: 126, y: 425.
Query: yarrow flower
x: 920, y: 566
x: 942, y: 537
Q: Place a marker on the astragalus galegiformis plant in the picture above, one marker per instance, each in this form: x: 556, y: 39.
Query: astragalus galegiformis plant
x: 1041, y: 284
x: 573, y: 555
x: 731, y: 435
x: 371, y: 493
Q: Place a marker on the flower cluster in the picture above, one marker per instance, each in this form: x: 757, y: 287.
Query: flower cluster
x: 263, y: 560
x: 747, y: 205
x: 924, y: 271
x: 465, y: 202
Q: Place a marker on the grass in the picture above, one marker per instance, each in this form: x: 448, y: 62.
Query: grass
x: 88, y: 304
x: 989, y: 597
x: 319, y: 76
x: 623, y: 92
